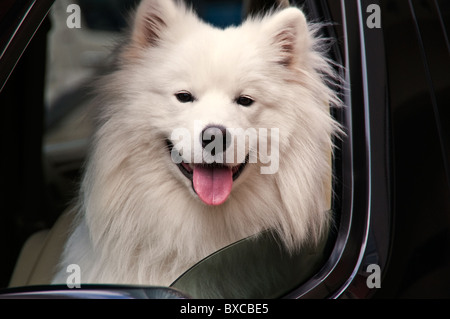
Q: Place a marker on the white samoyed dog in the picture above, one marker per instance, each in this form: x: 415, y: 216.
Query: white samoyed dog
x: 155, y: 199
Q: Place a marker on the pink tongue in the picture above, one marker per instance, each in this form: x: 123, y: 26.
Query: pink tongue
x: 213, y: 184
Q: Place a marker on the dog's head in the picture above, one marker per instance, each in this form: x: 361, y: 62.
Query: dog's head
x: 237, y: 117
x: 222, y: 103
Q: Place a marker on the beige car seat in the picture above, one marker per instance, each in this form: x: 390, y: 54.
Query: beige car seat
x: 40, y: 255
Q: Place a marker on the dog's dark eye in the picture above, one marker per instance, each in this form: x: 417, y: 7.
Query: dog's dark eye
x: 244, y: 101
x: 184, y: 97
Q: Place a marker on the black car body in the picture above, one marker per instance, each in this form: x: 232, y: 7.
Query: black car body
x: 392, y: 169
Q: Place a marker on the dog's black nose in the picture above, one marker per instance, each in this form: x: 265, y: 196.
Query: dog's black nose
x: 218, y: 135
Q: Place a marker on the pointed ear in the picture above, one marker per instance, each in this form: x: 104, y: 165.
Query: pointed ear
x: 151, y: 19
x: 288, y: 33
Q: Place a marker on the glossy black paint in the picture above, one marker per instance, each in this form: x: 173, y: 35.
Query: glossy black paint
x: 19, y: 20
x: 358, y: 165
x: 92, y: 292
x: 418, y: 60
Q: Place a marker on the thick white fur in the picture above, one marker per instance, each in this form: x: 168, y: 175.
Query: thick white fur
x: 138, y: 220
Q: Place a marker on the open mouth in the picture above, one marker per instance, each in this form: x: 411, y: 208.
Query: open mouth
x: 211, y: 182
